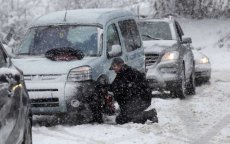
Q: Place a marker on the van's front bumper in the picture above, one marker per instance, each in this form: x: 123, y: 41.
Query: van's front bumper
x: 59, y: 97
x: 164, y: 75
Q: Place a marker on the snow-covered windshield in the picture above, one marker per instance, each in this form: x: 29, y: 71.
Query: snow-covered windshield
x: 41, y: 39
x: 155, y: 30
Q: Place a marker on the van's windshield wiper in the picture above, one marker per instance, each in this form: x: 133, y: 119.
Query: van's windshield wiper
x: 27, y: 54
x: 150, y: 37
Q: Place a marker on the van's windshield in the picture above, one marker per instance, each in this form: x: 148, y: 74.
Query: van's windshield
x: 41, y: 39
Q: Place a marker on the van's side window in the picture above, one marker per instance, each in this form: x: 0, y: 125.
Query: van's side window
x: 112, y: 37
x: 130, y: 34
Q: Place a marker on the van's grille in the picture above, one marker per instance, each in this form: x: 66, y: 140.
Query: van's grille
x: 151, y: 59
x: 45, y: 102
x: 42, y: 77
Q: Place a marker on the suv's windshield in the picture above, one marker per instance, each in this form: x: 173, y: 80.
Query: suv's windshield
x: 41, y: 39
x: 155, y: 30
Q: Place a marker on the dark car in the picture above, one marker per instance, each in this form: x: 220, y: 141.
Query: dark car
x: 169, y: 59
x: 15, y: 113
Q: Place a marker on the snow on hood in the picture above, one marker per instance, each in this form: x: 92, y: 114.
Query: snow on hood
x: 42, y: 65
x: 157, y: 46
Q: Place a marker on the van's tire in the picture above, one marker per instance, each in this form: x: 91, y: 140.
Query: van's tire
x: 191, y: 87
x: 180, y: 90
x: 27, y: 136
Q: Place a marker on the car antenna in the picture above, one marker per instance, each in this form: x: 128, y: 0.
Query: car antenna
x: 66, y: 8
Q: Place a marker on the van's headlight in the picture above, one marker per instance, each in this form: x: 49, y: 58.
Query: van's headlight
x: 203, y: 60
x: 170, y: 56
x: 80, y: 74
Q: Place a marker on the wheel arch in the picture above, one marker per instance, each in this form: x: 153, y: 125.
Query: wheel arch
x: 103, y: 79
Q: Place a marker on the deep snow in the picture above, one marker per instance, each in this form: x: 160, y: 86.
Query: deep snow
x: 202, y: 118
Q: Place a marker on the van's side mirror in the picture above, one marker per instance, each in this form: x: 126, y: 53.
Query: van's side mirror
x: 186, y: 40
x: 115, y: 51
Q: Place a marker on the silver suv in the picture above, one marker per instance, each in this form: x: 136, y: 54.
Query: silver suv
x: 169, y: 58
x: 66, y: 54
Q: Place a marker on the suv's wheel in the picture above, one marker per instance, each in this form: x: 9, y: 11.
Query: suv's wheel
x: 203, y: 80
x: 191, y: 87
x: 27, y: 137
x: 180, y: 91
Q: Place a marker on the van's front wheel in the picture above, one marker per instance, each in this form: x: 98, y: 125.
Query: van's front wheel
x: 96, y: 106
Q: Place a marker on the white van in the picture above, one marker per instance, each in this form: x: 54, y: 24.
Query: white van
x: 64, y: 82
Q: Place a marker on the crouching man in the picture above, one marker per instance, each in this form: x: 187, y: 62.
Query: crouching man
x: 132, y: 94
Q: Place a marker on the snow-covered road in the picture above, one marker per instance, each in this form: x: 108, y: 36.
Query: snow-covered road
x: 202, y: 118
x: 199, y: 119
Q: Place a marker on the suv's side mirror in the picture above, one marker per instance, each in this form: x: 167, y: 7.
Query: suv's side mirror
x: 186, y: 40
x: 115, y: 51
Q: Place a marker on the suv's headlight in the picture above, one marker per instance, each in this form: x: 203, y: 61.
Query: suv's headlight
x: 170, y: 56
x: 80, y: 74
x: 203, y: 60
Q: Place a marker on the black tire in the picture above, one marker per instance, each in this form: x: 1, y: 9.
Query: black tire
x: 191, y: 87
x: 204, y: 80
x: 180, y: 90
x: 97, y: 100
x: 27, y: 137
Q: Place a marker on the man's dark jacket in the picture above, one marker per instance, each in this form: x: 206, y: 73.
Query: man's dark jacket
x: 130, y: 89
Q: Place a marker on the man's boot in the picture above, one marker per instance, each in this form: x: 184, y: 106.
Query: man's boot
x: 152, y: 115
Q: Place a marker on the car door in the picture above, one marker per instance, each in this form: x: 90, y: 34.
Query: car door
x: 6, y: 126
x: 134, y: 55
x: 19, y: 113
x: 112, y: 38
x: 6, y: 103
x: 9, y: 102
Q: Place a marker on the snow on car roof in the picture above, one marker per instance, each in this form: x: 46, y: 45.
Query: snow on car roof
x: 81, y: 16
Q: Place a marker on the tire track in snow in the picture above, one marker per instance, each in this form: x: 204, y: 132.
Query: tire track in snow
x: 187, y: 119
x: 65, y: 135
x: 139, y: 134
x: 83, y: 139
x: 185, y: 111
x: 214, y: 131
